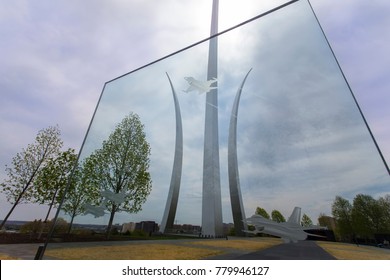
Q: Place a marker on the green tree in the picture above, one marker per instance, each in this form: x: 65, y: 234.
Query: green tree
x: 121, y: 169
x: 27, y: 164
x: 384, y: 204
x: 367, y: 216
x: 277, y: 216
x: 262, y: 212
x: 306, y: 221
x: 50, y: 183
x: 81, y: 190
x: 342, y: 212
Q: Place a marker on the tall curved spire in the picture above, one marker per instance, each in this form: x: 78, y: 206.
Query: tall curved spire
x: 234, y: 178
x: 173, y: 194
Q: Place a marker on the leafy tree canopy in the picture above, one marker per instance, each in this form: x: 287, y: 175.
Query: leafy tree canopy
x: 121, y: 166
x: 27, y: 164
x: 262, y: 212
x: 277, y: 216
x: 50, y: 184
x: 306, y: 221
x: 53, y: 177
x: 365, y: 217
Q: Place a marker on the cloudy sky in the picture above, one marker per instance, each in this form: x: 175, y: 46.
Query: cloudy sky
x: 57, y: 55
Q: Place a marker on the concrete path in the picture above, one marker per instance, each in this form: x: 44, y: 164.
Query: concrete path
x: 23, y: 251
x: 303, y: 250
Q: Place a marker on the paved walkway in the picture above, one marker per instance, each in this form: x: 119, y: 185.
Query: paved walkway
x: 303, y: 250
x: 24, y: 251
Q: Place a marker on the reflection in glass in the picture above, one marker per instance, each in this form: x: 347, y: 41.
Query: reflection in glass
x: 300, y: 137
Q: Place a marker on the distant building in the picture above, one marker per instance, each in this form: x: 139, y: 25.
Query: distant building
x: 186, y: 228
x: 193, y: 229
x: 147, y: 226
x: 227, y: 228
x: 128, y: 227
x: 196, y: 229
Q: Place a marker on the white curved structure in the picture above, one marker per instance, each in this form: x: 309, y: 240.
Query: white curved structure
x: 234, y: 178
x: 173, y: 195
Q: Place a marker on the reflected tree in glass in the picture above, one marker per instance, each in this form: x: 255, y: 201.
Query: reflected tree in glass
x: 120, y: 169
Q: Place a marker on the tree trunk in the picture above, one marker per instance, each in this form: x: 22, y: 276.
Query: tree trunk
x: 14, y: 205
x: 20, y: 196
x: 109, y: 226
x: 51, y: 205
x: 71, y: 223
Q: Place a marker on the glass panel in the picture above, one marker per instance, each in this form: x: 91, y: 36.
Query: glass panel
x: 300, y: 138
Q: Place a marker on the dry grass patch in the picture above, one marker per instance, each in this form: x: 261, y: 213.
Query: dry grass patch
x: 6, y: 257
x: 194, y: 250
x: 132, y: 252
x: 344, y: 251
x: 252, y: 244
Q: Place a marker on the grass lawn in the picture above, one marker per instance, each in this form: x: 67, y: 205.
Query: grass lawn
x: 252, y: 244
x: 192, y: 250
x: 132, y: 252
x: 345, y: 251
x: 6, y: 257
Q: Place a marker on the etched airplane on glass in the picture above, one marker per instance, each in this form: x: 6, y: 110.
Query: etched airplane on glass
x: 290, y: 231
x: 96, y: 211
x: 199, y: 86
x: 99, y: 211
